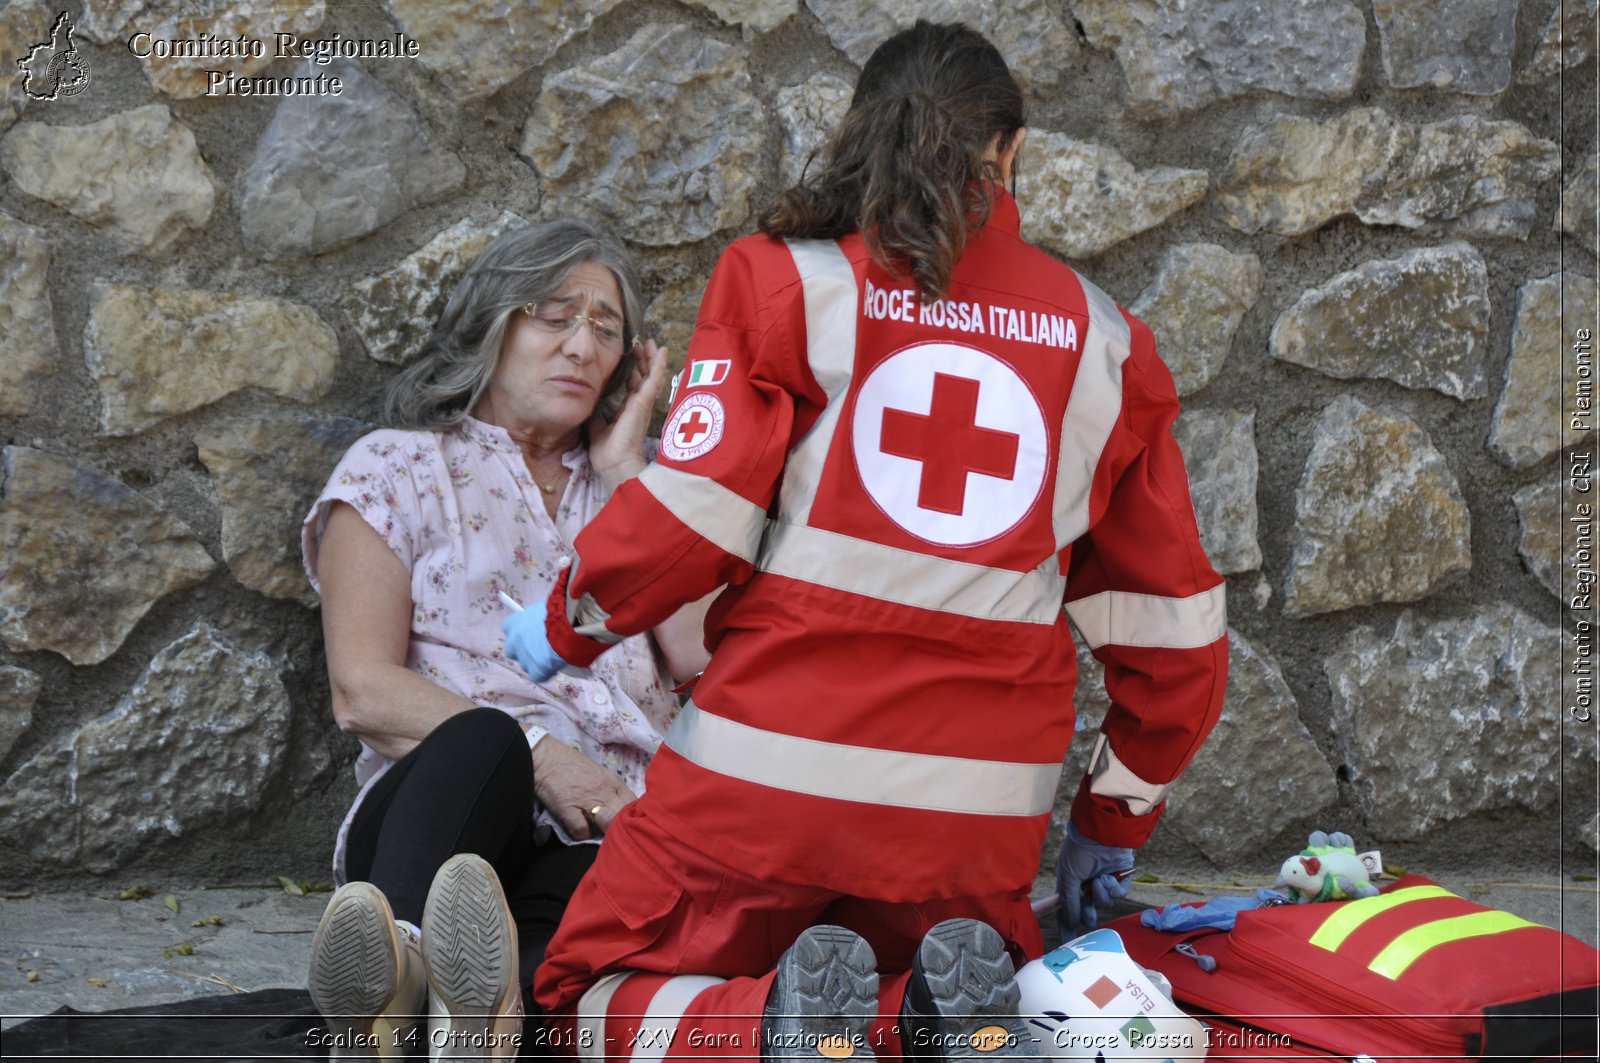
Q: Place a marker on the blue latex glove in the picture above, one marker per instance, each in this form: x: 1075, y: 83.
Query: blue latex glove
x: 1088, y: 864
x: 528, y: 645
x: 1219, y: 912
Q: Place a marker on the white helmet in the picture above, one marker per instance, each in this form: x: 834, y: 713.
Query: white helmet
x: 1090, y: 1001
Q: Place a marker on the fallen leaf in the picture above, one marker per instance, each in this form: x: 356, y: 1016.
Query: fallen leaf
x: 291, y: 886
x: 135, y: 893
x: 98, y: 983
x: 186, y: 949
x: 33, y: 976
x: 170, y: 903
x: 1146, y: 877
x: 166, y: 954
x: 210, y: 920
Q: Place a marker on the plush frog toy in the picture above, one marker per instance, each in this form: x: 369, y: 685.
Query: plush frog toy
x: 1327, y: 869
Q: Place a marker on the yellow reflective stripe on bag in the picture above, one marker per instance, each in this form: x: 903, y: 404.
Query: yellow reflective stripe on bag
x: 1406, y: 949
x: 1348, y: 919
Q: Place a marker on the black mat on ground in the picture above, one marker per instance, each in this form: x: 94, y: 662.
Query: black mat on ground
x: 268, y: 1024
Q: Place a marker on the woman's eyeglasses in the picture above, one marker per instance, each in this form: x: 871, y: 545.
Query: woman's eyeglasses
x: 560, y: 319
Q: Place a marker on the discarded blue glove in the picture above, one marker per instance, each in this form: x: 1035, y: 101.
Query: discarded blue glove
x: 1218, y: 913
x: 529, y: 645
x: 1088, y: 865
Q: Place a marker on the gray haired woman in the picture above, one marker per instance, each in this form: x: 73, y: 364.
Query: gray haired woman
x: 482, y: 791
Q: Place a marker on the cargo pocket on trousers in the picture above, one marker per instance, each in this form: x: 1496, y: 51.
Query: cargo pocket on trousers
x: 648, y: 902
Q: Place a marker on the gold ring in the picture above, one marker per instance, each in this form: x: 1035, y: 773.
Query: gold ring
x: 595, y: 811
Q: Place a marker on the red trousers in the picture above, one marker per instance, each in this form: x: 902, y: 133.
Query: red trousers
x: 626, y: 969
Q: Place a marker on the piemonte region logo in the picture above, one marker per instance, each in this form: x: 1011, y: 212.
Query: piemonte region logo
x: 55, y: 68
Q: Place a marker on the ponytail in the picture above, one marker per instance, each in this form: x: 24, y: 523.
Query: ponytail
x: 909, y: 165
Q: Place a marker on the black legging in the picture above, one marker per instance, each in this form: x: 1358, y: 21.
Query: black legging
x: 466, y: 788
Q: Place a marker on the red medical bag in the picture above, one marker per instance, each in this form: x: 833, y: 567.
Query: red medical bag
x: 1415, y: 973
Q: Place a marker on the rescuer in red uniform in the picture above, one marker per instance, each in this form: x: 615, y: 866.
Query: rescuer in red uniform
x: 905, y: 439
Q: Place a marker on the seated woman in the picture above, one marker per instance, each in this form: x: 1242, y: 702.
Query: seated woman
x: 526, y: 409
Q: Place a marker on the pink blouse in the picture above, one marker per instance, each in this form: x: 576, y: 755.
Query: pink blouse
x: 463, y: 514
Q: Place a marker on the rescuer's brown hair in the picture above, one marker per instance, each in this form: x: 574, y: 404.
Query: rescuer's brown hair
x: 909, y: 165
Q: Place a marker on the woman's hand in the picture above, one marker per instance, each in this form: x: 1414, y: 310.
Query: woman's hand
x: 616, y: 450
x: 571, y: 787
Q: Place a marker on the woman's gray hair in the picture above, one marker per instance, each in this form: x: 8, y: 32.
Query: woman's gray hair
x: 520, y: 267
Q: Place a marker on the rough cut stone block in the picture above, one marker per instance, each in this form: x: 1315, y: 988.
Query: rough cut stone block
x: 1084, y: 197
x: 671, y: 315
x: 1568, y: 41
x: 83, y: 557
x: 1542, y: 525
x: 267, y: 474
x: 136, y: 173
x: 1580, y: 203
x: 1528, y: 421
x: 1194, y: 307
x: 1421, y: 320
x: 115, y: 21
x: 195, y: 743
x: 1439, y: 720
x: 1035, y: 36
x: 1289, y: 175
x: 155, y: 354
x: 1379, y: 516
x: 477, y: 47
x: 330, y: 169
x: 807, y: 115
x: 23, y: 24
x: 1258, y: 773
x: 27, y: 322
x: 1454, y: 45
x: 19, y: 689
x: 758, y: 16
x: 1220, y: 452
x: 663, y: 137
x: 394, y: 311
x: 1181, y: 55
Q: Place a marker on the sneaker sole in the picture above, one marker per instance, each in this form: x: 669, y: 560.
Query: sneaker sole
x: 973, y: 987
x: 824, y: 999
x: 470, y: 947
x: 353, y: 976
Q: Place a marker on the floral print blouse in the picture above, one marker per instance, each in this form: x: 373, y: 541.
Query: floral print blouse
x: 463, y: 514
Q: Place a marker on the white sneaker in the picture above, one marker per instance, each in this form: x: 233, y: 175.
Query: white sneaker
x: 366, y: 977
x: 470, y: 945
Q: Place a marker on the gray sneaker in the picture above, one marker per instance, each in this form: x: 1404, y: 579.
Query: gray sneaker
x: 823, y: 1002
x: 962, y: 1000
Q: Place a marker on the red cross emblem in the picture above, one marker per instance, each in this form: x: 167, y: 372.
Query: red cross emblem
x: 949, y: 443
x: 695, y: 427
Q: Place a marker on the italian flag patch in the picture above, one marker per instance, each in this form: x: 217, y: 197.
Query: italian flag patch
x: 705, y: 374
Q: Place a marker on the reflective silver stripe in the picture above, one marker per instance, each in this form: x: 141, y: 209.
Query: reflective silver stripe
x: 709, y: 509
x: 829, y: 284
x: 1092, y: 411
x: 592, y: 1008
x: 1109, y: 777
x: 857, y: 566
x: 586, y: 616
x: 858, y: 773
x: 659, y: 1025
x: 1121, y: 618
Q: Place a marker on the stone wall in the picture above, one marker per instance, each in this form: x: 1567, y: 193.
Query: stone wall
x: 1354, y: 225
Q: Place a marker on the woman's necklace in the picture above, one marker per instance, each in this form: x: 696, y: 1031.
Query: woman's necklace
x: 551, y: 487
